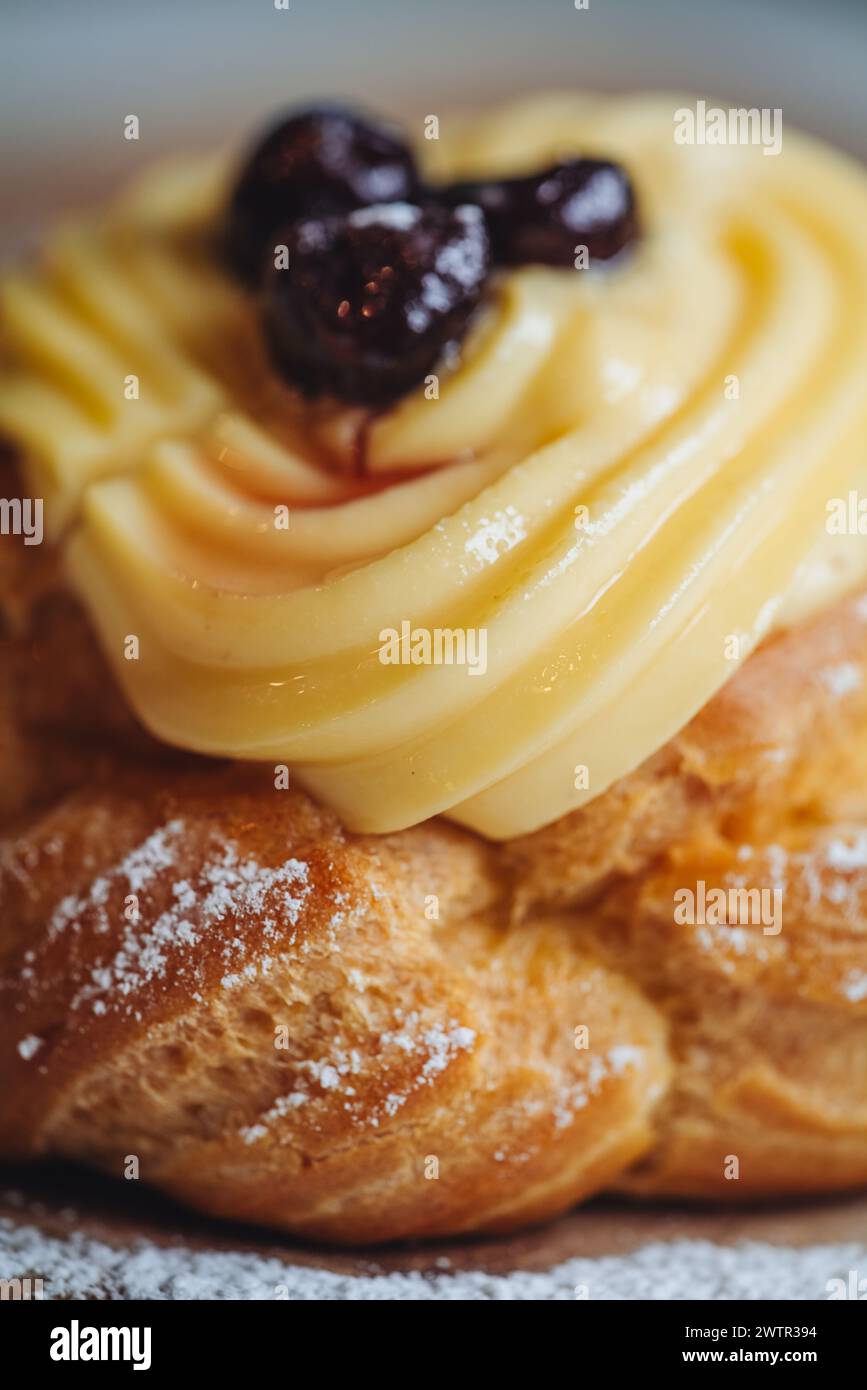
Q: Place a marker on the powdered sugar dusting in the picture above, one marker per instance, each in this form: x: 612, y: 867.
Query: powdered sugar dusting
x: 137, y: 870
x: 578, y: 1094
x: 336, y: 1080
x: 854, y: 986
x: 847, y: 855
x: 841, y: 680
x: 227, y: 883
x: 281, y: 1107
x: 833, y: 873
x: 721, y: 936
x: 79, y: 1267
x: 495, y: 535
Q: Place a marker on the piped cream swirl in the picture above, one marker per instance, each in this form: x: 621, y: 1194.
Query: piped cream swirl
x: 623, y: 480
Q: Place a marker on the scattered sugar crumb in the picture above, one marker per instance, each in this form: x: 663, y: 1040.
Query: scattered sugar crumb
x: 495, y: 535
x: 841, y: 680
x: 854, y: 986
x: 842, y: 855
x: 577, y: 1094
x: 78, y: 1267
x: 430, y: 1048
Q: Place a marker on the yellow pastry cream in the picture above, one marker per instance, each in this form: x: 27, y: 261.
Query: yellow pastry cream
x: 615, y: 490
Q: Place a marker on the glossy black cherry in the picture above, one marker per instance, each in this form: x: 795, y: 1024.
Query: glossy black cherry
x: 544, y: 217
x: 372, y: 299
x: 322, y: 159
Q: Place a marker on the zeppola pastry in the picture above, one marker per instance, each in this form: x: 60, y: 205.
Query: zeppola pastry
x: 433, y: 725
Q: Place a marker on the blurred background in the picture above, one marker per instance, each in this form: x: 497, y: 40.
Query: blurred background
x: 197, y: 72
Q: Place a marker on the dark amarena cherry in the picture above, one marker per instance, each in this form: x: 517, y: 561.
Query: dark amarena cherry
x: 543, y: 217
x: 371, y: 299
x: 319, y: 160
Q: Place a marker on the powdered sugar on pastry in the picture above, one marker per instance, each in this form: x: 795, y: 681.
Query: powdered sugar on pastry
x: 228, y: 882
x: 346, y: 1072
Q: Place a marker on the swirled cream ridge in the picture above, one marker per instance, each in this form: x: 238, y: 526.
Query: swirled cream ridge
x: 623, y: 481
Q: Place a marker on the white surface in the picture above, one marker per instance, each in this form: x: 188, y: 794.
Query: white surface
x: 80, y: 1267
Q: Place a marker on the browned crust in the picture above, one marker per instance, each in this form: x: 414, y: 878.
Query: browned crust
x: 420, y: 1044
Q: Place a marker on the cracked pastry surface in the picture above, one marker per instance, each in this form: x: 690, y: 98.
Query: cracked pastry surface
x: 453, y: 1040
